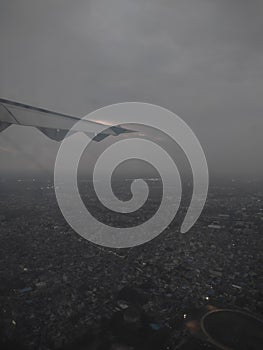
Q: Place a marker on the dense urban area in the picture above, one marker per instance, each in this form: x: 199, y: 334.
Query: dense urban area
x: 58, y: 290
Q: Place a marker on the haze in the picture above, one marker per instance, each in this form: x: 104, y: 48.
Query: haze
x: 202, y: 59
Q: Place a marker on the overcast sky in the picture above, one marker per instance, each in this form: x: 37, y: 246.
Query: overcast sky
x: 202, y: 59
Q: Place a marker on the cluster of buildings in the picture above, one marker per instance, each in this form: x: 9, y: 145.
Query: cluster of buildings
x: 55, y: 286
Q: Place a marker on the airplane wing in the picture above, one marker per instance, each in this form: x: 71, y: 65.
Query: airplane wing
x: 53, y: 124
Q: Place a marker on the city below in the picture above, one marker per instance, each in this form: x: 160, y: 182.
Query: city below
x: 60, y: 291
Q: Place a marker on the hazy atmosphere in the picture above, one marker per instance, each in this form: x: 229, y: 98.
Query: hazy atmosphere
x: 202, y: 59
x: 131, y: 183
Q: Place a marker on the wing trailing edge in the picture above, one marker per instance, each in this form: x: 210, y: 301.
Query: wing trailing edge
x: 52, y: 124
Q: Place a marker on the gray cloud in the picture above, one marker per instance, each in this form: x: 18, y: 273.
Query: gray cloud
x: 203, y: 59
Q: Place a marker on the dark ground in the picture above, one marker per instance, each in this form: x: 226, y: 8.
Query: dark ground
x: 55, y: 285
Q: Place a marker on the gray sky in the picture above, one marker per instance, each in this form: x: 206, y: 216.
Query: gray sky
x: 203, y: 59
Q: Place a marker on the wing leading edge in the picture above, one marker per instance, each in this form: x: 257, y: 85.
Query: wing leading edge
x: 53, y: 124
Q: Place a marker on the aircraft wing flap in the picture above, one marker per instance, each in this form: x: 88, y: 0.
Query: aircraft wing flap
x: 54, y: 125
